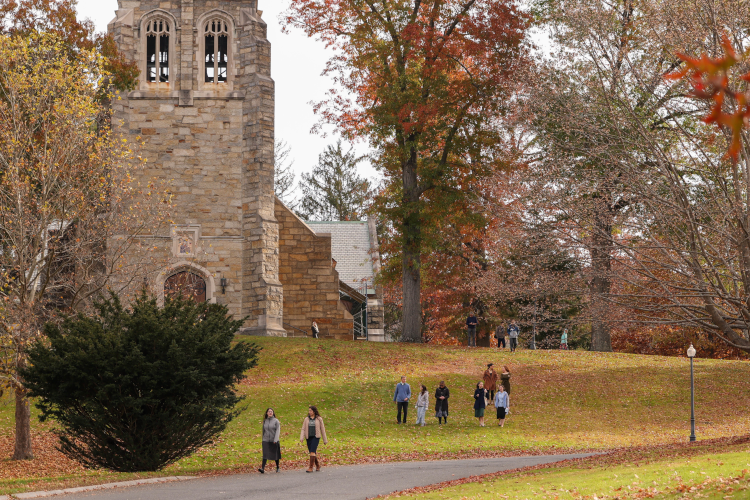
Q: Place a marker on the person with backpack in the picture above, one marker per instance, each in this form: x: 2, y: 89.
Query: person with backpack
x: 513, y: 336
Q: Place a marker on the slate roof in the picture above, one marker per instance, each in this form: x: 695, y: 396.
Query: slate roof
x: 350, y: 247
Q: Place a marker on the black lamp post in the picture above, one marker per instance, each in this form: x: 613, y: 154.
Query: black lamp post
x: 691, y: 355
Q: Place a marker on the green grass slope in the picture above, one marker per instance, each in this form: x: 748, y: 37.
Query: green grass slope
x: 560, y: 401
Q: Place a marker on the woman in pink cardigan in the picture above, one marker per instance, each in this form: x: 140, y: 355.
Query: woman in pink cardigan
x: 312, y: 431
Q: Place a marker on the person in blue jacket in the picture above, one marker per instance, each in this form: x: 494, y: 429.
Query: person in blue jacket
x: 502, y: 402
x: 401, y: 397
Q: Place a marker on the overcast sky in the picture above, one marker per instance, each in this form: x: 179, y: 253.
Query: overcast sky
x: 296, y: 65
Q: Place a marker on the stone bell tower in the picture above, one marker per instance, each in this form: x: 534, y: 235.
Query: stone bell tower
x: 204, y: 110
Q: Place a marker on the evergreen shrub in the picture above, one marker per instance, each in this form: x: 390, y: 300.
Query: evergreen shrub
x: 136, y: 389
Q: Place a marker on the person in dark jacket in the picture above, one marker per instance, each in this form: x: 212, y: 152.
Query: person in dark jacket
x: 270, y: 440
x: 315, y: 330
x: 505, y: 379
x: 480, y: 402
x: 471, y: 325
x: 441, y: 402
x: 500, y: 336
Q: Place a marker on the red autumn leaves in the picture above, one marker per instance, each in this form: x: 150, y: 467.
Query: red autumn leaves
x: 711, y: 80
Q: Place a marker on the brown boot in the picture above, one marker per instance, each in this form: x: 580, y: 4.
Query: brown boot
x: 312, y: 461
x: 317, y: 464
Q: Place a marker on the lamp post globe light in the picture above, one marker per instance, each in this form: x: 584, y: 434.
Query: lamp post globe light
x: 691, y: 355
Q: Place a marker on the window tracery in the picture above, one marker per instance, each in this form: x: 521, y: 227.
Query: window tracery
x: 157, y: 50
x: 216, y: 51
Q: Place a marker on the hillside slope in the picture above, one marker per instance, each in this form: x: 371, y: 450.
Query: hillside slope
x: 560, y: 401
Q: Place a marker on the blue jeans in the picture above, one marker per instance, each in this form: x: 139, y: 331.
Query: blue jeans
x: 472, y: 336
x: 420, y: 414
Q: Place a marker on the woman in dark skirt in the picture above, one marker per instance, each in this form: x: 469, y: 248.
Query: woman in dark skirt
x: 480, y: 402
x: 441, y: 402
x: 312, y: 432
x: 271, y: 446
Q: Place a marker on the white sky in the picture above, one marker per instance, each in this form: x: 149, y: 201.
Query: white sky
x: 296, y: 66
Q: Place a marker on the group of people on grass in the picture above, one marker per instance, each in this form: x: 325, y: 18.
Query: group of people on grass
x: 487, y: 392
x: 500, y: 332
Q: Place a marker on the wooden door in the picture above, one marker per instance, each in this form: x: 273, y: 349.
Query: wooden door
x: 187, y: 284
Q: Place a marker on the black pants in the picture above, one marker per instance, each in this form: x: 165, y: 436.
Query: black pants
x: 513, y: 344
x: 492, y: 395
x: 501, y: 342
x: 472, y: 336
x: 405, y: 406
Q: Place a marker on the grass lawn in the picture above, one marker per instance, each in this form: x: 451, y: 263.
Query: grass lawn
x: 560, y: 401
x: 719, y: 470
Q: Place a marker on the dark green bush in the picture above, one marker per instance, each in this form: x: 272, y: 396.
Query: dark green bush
x: 138, y: 389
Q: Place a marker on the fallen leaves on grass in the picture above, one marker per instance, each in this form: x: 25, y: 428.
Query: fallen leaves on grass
x: 634, y: 456
x: 47, y: 462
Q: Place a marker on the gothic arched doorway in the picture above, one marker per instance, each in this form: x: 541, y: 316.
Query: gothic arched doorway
x: 187, y: 284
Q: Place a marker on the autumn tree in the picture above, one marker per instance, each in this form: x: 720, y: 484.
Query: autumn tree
x: 673, y: 206
x: 70, y: 211
x: 334, y: 190
x: 425, y: 82
x: 59, y: 17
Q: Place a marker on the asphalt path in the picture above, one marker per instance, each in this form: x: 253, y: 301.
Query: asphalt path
x: 331, y: 483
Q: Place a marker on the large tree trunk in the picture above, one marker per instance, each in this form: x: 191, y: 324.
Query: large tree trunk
x: 600, y: 284
x: 412, y: 255
x: 23, y: 427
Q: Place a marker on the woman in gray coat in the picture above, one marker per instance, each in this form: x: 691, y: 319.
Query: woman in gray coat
x: 271, y: 434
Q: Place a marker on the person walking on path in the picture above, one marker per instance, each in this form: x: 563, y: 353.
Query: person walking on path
x: 423, y: 401
x: 315, y: 330
x: 505, y: 379
x: 500, y: 336
x: 471, y: 325
x: 490, y: 380
x: 564, y: 340
x: 401, y: 397
x: 312, y: 432
x: 513, y: 336
x: 441, y: 402
x: 502, y: 401
x: 270, y: 440
x: 480, y: 402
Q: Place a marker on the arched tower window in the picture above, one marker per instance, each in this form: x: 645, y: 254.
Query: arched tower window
x: 216, y: 51
x: 157, y: 50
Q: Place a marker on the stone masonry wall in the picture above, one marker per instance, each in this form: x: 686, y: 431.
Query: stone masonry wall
x: 311, y: 284
x: 212, y: 143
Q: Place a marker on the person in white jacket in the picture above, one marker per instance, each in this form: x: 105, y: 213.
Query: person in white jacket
x: 502, y: 402
x: 423, y: 401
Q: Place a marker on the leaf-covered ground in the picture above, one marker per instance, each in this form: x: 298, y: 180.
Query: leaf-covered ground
x: 560, y: 401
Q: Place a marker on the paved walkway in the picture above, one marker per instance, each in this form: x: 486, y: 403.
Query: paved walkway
x: 331, y: 483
